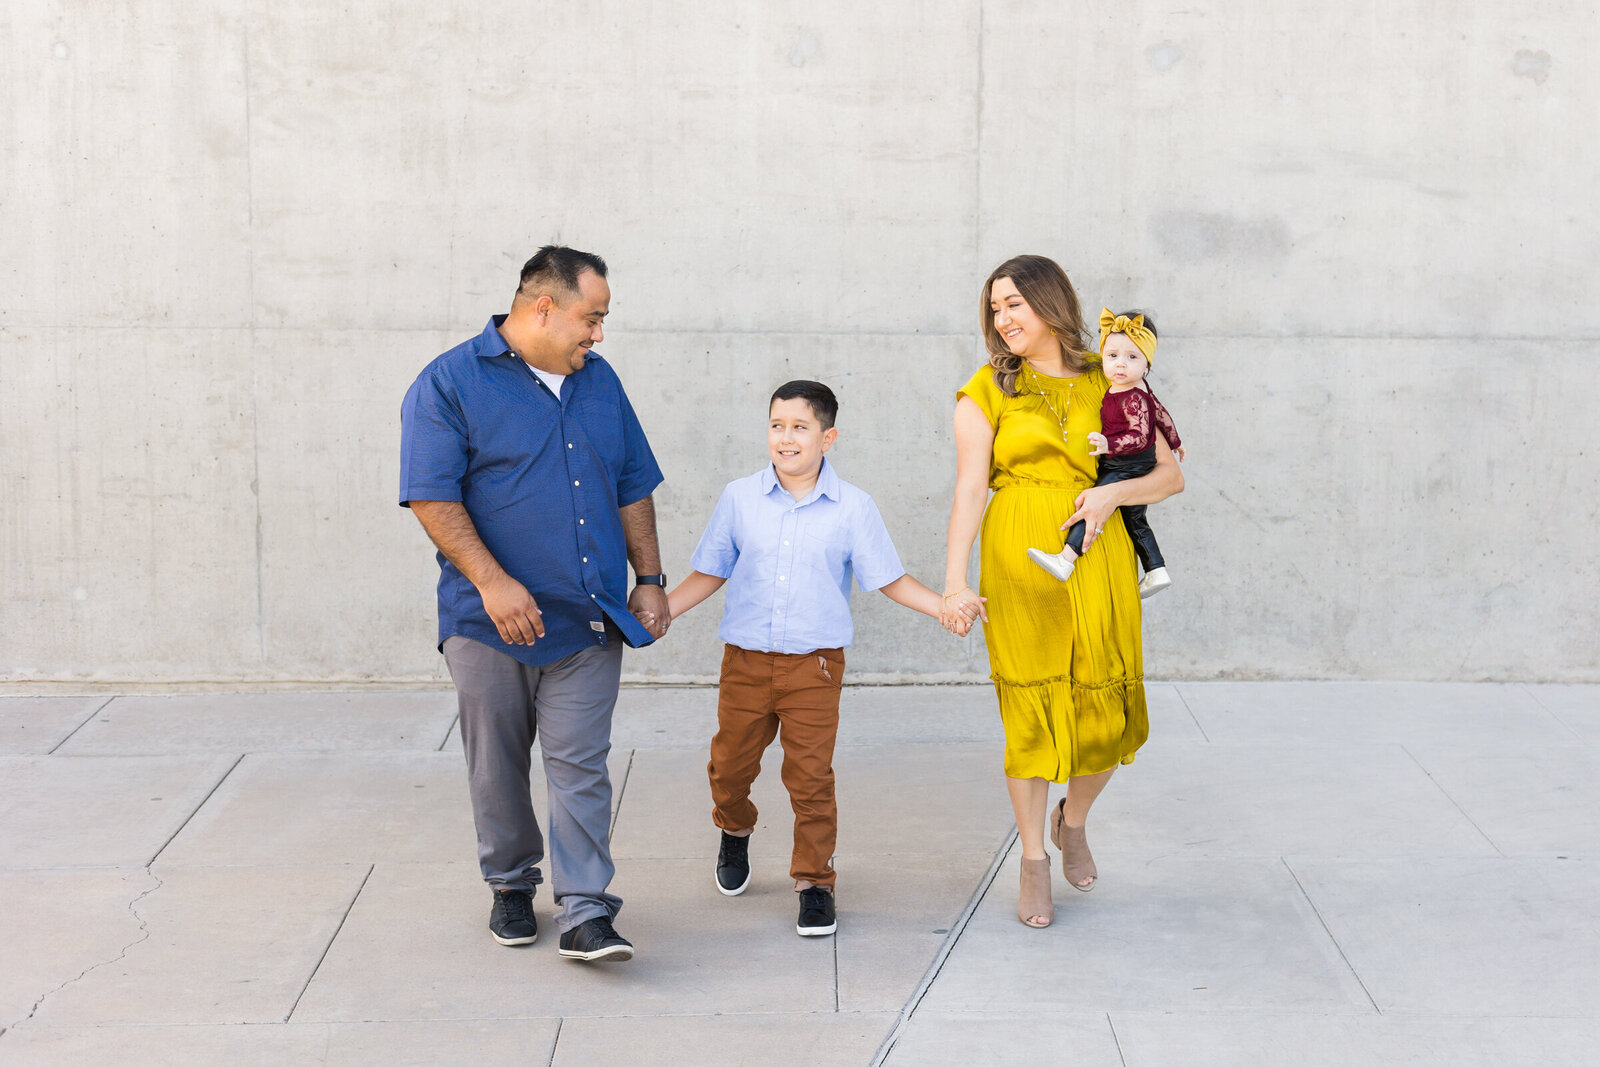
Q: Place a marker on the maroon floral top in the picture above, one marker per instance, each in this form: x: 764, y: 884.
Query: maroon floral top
x: 1126, y: 418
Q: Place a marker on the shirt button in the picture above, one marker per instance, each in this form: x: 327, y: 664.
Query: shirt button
x: 786, y: 542
x: 580, y: 522
x: 569, y: 444
x: 576, y: 482
x: 591, y: 596
x: 783, y: 577
x: 586, y: 559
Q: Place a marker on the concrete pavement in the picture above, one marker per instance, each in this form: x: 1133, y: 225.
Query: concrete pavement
x: 1307, y: 873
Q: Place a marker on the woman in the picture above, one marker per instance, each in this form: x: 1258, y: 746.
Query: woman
x: 1066, y: 658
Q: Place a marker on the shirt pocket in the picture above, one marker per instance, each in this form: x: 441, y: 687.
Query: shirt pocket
x: 827, y: 550
x: 601, y: 425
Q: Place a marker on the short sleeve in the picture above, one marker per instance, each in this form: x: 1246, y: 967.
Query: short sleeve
x: 433, y: 441
x: 640, y: 473
x: 872, y: 553
x: 718, y: 550
x: 987, y: 395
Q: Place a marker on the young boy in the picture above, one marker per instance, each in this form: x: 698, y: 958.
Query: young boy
x: 787, y: 540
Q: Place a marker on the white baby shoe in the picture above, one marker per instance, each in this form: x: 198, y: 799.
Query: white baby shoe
x: 1153, y: 583
x: 1059, y: 564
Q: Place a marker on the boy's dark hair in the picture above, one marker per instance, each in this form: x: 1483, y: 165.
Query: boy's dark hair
x: 556, y: 267
x: 824, y: 405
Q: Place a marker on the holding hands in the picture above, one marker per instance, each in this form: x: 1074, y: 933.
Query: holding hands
x: 648, y: 603
x: 961, y: 609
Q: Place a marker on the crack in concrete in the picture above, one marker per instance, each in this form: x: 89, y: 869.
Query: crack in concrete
x: 144, y: 935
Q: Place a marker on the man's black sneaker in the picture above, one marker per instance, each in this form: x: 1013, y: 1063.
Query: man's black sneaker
x: 511, y: 919
x: 595, y: 939
x: 816, y: 913
x: 733, y: 865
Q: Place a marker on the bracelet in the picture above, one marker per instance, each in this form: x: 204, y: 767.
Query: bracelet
x: 958, y: 592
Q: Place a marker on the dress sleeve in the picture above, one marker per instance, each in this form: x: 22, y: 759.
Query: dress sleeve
x: 987, y: 395
x: 1164, y: 423
x: 1136, y: 438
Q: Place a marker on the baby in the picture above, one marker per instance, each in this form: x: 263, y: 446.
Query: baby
x: 1130, y: 415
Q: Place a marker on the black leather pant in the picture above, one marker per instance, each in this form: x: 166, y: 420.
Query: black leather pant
x: 1122, y: 469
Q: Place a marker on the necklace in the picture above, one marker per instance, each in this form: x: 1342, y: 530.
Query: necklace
x: 1060, y: 421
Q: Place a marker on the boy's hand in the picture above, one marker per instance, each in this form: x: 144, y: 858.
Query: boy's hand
x: 1098, y: 440
x: 649, y: 605
x: 960, y: 610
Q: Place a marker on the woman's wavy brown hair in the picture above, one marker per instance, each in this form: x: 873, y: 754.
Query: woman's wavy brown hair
x: 1048, y: 291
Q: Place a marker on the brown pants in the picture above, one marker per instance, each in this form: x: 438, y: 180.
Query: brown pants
x: 761, y: 692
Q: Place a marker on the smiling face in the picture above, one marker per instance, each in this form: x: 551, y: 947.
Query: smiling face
x: 575, y: 325
x: 1124, y: 364
x: 1023, y: 331
x: 796, y: 439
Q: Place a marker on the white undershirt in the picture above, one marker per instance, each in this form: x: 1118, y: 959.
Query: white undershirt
x: 552, y: 380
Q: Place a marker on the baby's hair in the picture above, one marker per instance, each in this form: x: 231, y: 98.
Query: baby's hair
x: 824, y: 405
x: 1149, y: 323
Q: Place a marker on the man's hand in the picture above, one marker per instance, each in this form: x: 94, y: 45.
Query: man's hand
x: 513, y: 610
x: 649, y: 605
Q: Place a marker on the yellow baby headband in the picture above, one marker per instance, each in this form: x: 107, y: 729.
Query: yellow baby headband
x: 1134, y: 328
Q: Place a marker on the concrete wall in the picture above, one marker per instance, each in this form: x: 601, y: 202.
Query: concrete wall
x: 231, y: 233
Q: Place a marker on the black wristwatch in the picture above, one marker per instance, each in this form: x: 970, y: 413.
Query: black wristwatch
x: 650, y: 579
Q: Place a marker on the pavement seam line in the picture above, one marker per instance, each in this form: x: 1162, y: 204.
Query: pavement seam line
x: 1176, y: 688
x: 556, y: 1043
x: 329, y: 946
x: 946, y: 947
x: 1327, y: 930
x: 144, y: 935
x: 1123, y: 1056
x: 627, y: 772
x: 1453, y: 803
x: 448, y: 731
x: 203, y: 802
x: 82, y: 724
x: 1542, y: 706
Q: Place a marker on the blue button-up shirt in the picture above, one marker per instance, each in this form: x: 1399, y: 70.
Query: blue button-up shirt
x: 789, y: 562
x: 542, y: 479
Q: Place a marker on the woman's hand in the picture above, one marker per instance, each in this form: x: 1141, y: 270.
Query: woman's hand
x: 1098, y: 440
x: 1095, y: 505
x: 961, y: 609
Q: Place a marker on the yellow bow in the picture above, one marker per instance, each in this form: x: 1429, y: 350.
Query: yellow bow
x: 1142, y: 338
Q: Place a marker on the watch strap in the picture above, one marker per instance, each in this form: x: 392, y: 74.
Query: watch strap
x: 650, y: 579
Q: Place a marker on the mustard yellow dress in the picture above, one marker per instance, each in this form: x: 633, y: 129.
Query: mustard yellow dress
x: 1066, y: 657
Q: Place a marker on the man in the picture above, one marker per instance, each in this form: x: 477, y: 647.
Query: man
x: 526, y: 465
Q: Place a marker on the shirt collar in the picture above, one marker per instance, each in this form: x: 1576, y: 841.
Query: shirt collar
x: 491, y: 343
x: 827, y: 483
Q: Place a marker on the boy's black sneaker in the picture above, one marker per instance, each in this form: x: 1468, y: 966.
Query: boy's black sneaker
x: 733, y: 865
x: 511, y: 919
x: 595, y: 939
x: 816, y: 913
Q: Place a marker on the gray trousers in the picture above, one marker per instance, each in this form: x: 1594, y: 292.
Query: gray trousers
x: 567, y: 705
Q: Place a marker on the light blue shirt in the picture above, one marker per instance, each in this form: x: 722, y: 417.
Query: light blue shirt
x: 789, y: 563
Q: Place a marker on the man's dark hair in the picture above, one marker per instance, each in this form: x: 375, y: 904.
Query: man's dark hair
x: 824, y: 405
x: 556, y: 267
